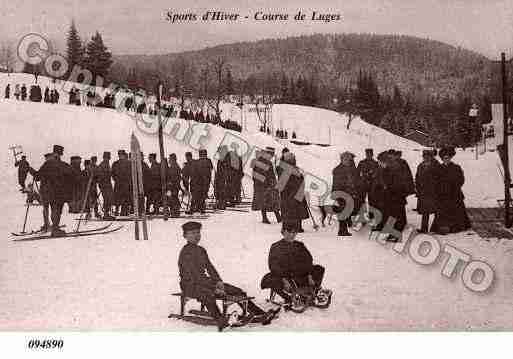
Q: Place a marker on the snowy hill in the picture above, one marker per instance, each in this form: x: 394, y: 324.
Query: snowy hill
x: 113, y: 282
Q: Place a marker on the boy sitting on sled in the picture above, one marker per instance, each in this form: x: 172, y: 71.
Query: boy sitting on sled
x: 200, y: 280
x: 292, y: 268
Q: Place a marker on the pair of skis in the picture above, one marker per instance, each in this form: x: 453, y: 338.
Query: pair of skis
x: 138, y: 189
x: 89, y: 232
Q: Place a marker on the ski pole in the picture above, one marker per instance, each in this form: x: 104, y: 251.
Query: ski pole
x: 86, y: 198
x: 315, y: 226
x: 26, y: 213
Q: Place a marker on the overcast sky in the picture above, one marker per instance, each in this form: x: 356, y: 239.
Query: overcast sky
x: 139, y: 26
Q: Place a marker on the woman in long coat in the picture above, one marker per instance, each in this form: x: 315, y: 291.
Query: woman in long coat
x: 347, y: 179
x: 292, y: 198
x: 265, y: 194
x: 451, y: 215
x: 426, y: 184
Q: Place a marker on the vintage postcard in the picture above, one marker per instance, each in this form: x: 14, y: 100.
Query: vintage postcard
x: 255, y: 167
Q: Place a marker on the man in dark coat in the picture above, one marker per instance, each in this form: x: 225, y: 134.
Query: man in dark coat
x: 23, y: 170
x: 405, y: 168
x: 199, y: 279
x: 451, y: 215
x: 8, y: 91
x: 47, y: 97
x: 173, y: 178
x: 43, y: 192
x: 377, y: 190
x: 91, y: 171
x: 368, y: 169
x: 122, y: 176
x: 426, y: 184
x: 346, y: 179
x: 221, y: 179
x: 292, y: 199
x: 291, y: 263
x: 266, y: 197
x: 103, y: 177
x: 235, y: 175
x: 201, y: 177
x: 57, y: 177
x: 78, y: 189
x: 153, y: 185
x: 398, y: 186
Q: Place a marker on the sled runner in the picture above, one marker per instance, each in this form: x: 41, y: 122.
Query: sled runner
x: 202, y: 317
x: 302, y: 298
x: 69, y: 235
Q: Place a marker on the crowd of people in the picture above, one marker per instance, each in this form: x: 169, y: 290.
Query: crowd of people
x: 80, y: 183
x: 381, y: 185
x: 35, y: 93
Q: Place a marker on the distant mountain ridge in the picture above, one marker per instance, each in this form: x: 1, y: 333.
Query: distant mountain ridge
x: 419, y: 67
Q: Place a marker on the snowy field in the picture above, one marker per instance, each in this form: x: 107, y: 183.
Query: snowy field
x: 114, y: 282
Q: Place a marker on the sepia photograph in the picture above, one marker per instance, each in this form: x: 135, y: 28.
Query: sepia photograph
x: 239, y: 168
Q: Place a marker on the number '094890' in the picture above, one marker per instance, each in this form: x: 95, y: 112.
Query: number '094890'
x: 45, y: 344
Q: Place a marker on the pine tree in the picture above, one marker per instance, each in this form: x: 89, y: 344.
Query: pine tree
x: 98, y: 59
x: 74, y: 47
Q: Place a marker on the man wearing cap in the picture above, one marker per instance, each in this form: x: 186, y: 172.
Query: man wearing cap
x: 153, y: 185
x: 57, y: 178
x: 368, y: 170
x: 451, y: 215
x: 221, y: 184
x: 187, y: 174
x: 43, y: 192
x: 426, y: 185
x: 201, y: 177
x: 122, y: 175
x: 199, y: 279
x: 173, y: 178
x: 290, y: 262
x: 104, y: 175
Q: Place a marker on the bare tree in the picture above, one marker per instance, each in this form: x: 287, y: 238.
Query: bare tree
x: 215, y: 94
x: 7, y: 56
x: 184, y: 75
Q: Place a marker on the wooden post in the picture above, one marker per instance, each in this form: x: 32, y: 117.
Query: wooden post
x: 507, y: 175
x: 163, y: 161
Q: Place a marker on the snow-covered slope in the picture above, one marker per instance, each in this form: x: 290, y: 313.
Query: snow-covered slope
x: 113, y: 282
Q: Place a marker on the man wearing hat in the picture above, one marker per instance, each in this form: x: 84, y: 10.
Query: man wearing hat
x: 290, y: 262
x: 200, y: 280
x: 104, y: 175
x: 57, y: 178
x: 368, y: 170
x: 451, y: 215
x: 426, y: 185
